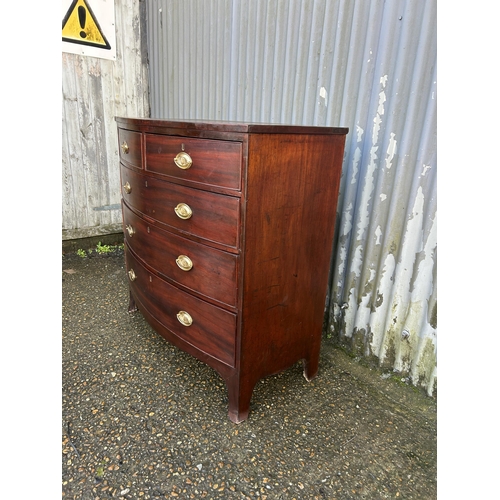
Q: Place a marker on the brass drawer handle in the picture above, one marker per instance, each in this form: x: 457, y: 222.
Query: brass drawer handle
x: 127, y: 187
x: 183, y: 211
x: 184, y: 262
x: 183, y: 160
x: 132, y: 275
x: 125, y: 147
x: 130, y: 230
x: 184, y: 318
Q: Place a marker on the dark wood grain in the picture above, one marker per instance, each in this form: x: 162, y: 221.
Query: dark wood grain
x: 213, y: 275
x: 189, y: 128
x: 213, y: 330
x: 271, y: 283
x: 215, y: 216
x: 215, y: 163
x: 133, y: 141
x: 292, y: 189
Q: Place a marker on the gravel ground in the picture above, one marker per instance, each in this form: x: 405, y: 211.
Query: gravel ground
x: 143, y: 420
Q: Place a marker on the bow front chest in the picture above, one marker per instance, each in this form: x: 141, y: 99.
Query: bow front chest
x: 228, y: 236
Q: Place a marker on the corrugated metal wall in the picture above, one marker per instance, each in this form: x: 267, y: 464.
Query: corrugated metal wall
x: 94, y: 91
x: 367, y: 65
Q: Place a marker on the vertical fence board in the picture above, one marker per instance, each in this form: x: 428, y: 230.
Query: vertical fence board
x: 94, y: 91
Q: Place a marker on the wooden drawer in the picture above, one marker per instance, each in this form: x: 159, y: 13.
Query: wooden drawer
x: 130, y: 147
x: 216, y: 163
x: 213, y: 329
x: 214, y: 217
x: 213, y: 272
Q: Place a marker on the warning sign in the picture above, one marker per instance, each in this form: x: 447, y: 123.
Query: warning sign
x: 81, y: 26
x: 86, y: 29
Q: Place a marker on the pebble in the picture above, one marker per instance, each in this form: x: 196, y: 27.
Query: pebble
x: 159, y: 424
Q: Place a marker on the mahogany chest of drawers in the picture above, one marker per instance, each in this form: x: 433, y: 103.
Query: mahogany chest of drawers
x: 228, y: 235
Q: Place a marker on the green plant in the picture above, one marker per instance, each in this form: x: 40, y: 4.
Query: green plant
x: 100, y: 470
x: 103, y: 248
x: 81, y: 253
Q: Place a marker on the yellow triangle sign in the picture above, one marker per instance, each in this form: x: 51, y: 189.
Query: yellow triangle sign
x: 80, y: 26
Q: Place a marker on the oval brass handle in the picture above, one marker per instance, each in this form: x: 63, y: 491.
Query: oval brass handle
x: 127, y: 187
x: 183, y: 160
x: 132, y: 275
x: 184, y: 262
x: 183, y: 211
x: 130, y: 230
x: 125, y: 147
x: 184, y: 318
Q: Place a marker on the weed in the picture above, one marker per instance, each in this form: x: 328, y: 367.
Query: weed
x: 100, y: 471
x: 100, y: 249
x: 104, y: 248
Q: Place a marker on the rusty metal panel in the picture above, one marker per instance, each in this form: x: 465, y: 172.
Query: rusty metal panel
x: 94, y: 91
x: 370, y: 66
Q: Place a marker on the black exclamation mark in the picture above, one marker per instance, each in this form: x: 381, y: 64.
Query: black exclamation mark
x: 82, y: 15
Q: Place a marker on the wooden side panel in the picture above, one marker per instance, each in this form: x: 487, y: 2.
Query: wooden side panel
x: 292, y: 190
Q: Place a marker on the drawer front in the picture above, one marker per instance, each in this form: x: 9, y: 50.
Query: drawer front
x: 212, y: 329
x: 130, y: 147
x: 216, y: 163
x: 198, y: 267
x: 211, y: 216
